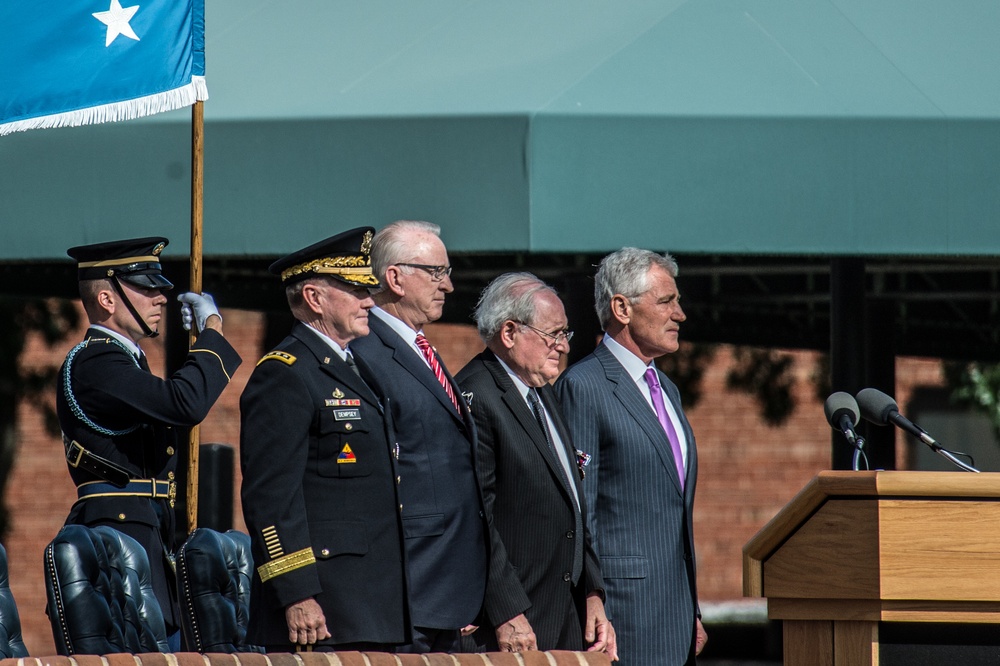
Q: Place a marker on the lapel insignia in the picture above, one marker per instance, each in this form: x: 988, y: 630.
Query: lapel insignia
x: 467, y: 396
x: 326, y: 360
x: 337, y: 393
x: 346, y: 455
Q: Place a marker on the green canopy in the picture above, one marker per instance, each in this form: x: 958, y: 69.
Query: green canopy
x: 707, y: 126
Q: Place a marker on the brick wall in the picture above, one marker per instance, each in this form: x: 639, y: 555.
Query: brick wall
x: 553, y: 658
x: 748, y: 470
x: 41, y: 492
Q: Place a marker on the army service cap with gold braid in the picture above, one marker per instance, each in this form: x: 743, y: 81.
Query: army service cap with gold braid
x: 346, y: 257
x: 136, y: 261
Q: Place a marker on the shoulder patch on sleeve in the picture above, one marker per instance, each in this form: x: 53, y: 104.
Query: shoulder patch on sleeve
x: 284, y: 357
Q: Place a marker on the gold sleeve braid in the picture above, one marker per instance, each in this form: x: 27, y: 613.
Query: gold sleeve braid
x: 283, y: 565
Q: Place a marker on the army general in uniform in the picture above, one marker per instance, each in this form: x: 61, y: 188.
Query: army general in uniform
x: 118, y: 420
x: 319, y: 485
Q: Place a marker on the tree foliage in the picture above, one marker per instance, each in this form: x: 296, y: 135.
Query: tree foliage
x: 686, y: 368
x: 978, y: 386
x: 766, y: 375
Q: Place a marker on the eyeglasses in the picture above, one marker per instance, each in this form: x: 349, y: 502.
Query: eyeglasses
x: 564, y: 335
x: 437, y: 273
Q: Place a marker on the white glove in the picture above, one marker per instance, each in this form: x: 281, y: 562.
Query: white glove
x: 197, y: 308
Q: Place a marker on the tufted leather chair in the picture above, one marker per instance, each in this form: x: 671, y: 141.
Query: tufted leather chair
x: 213, y: 576
x: 100, y: 599
x: 11, y: 644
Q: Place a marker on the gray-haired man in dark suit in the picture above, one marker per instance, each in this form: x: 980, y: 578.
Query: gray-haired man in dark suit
x: 545, y: 589
x: 641, y: 480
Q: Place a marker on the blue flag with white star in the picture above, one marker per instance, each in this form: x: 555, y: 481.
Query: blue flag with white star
x: 77, y: 62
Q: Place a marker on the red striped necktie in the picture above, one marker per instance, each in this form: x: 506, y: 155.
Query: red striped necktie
x: 437, y: 368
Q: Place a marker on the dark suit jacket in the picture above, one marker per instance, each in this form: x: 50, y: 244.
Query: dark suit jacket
x: 541, y: 531
x: 639, y: 518
x: 443, y: 518
x: 319, y: 497
x: 136, y: 415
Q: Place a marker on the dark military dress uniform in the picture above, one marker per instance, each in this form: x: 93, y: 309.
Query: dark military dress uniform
x: 319, y: 496
x: 118, y: 422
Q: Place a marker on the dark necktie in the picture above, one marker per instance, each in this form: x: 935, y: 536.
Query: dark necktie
x: 143, y: 363
x: 665, y: 422
x: 349, y: 359
x: 437, y: 369
x: 538, y: 409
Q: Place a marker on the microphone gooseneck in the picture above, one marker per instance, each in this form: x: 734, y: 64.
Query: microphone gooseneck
x: 880, y: 409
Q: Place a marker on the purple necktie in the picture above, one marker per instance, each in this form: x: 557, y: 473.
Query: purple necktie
x: 668, y: 426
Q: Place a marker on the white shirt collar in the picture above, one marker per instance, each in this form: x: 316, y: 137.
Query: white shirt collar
x: 408, y: 335
x: 340, y: 351
x: 396, y: 324
x: 633, y: 365
x: 129, y: 344
x: 523, y: 388
x: 636, y: 369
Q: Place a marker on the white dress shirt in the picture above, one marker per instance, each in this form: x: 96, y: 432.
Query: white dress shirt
x: 636, y: 369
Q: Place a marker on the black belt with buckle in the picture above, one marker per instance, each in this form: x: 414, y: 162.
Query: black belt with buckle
x: 153, y: 488
x: 113, y: 473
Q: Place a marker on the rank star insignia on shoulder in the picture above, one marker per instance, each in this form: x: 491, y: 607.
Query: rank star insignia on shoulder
x: 284, y: 357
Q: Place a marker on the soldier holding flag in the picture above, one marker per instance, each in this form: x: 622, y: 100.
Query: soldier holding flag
x: 119, y: 420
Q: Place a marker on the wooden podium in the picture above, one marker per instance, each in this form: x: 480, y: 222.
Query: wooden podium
x: 854, y: 549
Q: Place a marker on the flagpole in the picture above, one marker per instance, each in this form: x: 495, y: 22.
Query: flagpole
x: 197, y: 217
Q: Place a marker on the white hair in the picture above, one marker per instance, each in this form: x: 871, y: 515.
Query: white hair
x: 392, y: 244
x: 510, y: 297
x: 626, y: 272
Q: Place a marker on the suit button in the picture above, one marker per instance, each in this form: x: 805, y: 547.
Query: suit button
x: 325, y: 552
x: 400, y: 508
x: 121, y: 516
x: 567, y: 576
x: 170, y: 475
x: 569, y: 535
x: 170, y: 450
x: 398, y: 479
x: 348, y: 426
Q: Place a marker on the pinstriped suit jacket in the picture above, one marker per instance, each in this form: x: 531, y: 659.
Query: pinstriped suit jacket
x: 639, y: 519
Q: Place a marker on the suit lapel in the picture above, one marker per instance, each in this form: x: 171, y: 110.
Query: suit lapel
x: 519, y: 409
x: 635, y: 403
x: 555, y: 413
x: 407, y: 358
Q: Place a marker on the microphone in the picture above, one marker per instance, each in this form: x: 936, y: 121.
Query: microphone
x: 841, y: 411
x: 880, y: 409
